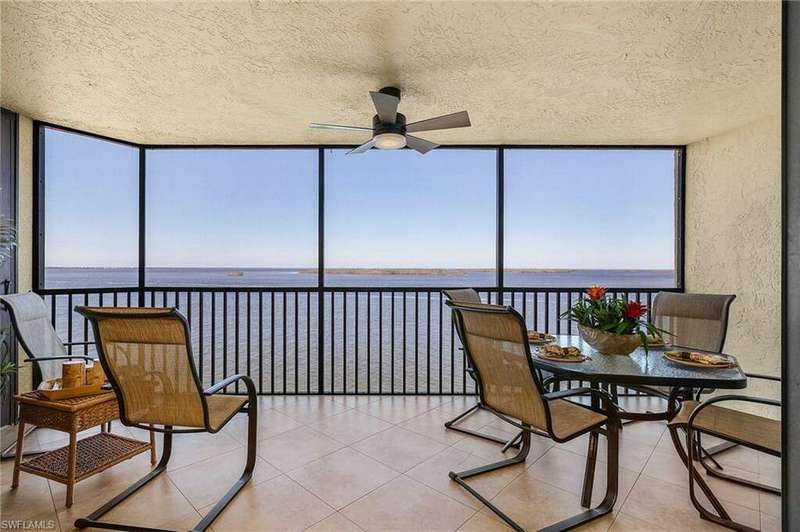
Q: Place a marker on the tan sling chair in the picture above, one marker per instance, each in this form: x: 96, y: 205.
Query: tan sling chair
x: 147, y: 356
x: 496, y: 343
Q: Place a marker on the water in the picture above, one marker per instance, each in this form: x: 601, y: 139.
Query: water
x: 276, y: 277
x: 390, y: 342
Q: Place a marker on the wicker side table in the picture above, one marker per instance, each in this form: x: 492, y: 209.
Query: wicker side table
x: 80, y: 459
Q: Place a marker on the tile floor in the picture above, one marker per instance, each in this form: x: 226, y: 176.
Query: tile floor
x: 381, y: 463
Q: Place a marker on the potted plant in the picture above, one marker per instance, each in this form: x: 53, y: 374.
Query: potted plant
x: 612, y: 326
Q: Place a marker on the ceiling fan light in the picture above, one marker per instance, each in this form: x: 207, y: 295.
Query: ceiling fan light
x: 390, y: 141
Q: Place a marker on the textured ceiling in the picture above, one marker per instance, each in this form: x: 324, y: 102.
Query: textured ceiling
x: 258, y: 72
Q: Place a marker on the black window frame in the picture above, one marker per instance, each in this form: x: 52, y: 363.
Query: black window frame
x: 39, y: 147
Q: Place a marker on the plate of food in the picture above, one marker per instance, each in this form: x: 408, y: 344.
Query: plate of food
x: 655, y: 341
x: 561, y: 354
x: 697, y: 359
x: 540, y: 338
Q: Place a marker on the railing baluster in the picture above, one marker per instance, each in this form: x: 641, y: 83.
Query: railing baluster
x: 296, y: 357
x: 391, y: 342
x: 213, y: 337
x: 405, y: 341
x: 428, y: 363
x: 355, y: 330
x: 369, y: 342
x: 236, y: 338
x: 283, y: 320
x: 200, y: 335
x: 344, y: 342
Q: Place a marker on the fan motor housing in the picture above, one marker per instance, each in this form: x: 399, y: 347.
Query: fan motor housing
x: 399, y: 125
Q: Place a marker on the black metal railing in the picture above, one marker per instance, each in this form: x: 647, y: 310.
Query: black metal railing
x: 364, y: 340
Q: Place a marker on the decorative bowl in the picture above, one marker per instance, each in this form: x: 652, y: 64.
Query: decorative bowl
x: 609, y: 343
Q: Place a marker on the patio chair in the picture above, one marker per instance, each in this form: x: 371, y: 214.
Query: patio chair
x: 756, y: 432
x: 470, y: 295
x: 147, y: 356
x: 44, y: 349
x: 694, y: 321
x: 496, y: 343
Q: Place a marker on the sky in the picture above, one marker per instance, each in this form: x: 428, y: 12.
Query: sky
x: 587, y: 209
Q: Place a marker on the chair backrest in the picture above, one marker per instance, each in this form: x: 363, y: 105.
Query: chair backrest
x: 698, y: 321
x: 147, y: 357
x: 496, y: 343
x: 462, y: 295
x: 31, y: 320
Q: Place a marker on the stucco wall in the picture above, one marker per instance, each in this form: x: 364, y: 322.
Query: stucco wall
x: 733, y: 218
x: 25, y: 225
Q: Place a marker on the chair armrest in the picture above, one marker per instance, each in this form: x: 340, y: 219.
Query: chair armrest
x: 251, y: 389
x: 745, y: 398
x: 765, y: 377
x: 611, y: 409
x: 60, y: 357
x: 79, y: 343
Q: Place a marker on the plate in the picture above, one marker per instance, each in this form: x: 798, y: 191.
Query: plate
x: 556, y: 353
x: 654, y: 341
x: 696, y: 359
x: 540, y: 338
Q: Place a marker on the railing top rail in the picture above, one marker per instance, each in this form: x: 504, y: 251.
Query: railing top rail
x: 328, y: 289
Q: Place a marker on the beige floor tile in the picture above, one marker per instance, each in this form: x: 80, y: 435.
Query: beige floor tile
x: 770, y: 523
x: 354, y: 401
x: 769, y: 504
x: 296, y: 448
x: 565, y: 470
x: 669, y: 468
x: 310, y: 409
x: 633, y: 454
x: 97, y: 489
x: 205, y: 482
x: 398, y: 448
x: 154, y: 505
x: 270, y: 423
x: 30, y: 499
x: 397, y: 409
x: 190, y: 448
x: 645, y: 432
x: 351, y: 426
x: 335, y: 523
x: 738, y: 457
x: 405, y: 504
x: 431, y: 423
x: 627, y: 523
x: 277, y: 504
x: 490, y: 451
x: 530, y: 502
x: 661, y: 502
x: 342, y: 477
x: 434, y: 472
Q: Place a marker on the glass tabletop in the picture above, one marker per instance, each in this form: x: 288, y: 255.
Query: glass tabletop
x: 639, y: 368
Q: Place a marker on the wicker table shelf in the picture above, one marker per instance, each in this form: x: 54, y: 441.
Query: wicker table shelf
x: 79, y: 459
x: 94, y: 454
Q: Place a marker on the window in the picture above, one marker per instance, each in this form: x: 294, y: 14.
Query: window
x: 231, y: 217
x: 577, y: 217
x: 91, y: 206
x: 396, y: 218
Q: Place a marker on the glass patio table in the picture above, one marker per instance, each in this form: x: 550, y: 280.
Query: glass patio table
x: 641, y: 369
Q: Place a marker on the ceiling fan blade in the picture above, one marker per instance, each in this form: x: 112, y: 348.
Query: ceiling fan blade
x: 386, y: 105
x: 364, y: 147
x: 421, y: 145
x: 453, y: 120
x: 334, y: 126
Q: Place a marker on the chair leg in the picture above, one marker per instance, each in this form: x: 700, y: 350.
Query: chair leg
x: 717, y: 472
x: 92, y: 519
x: 612, y: 487
x: 518, y: 459
x: 252, y: 435
x: 588, y: 477
x: 452, y: 426
x: 694, y: 476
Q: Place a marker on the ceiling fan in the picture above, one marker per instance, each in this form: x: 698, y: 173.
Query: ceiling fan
x: 389, y: 128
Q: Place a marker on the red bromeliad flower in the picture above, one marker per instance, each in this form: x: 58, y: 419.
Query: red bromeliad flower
x: 595, y: 292
x: 634, y: 309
